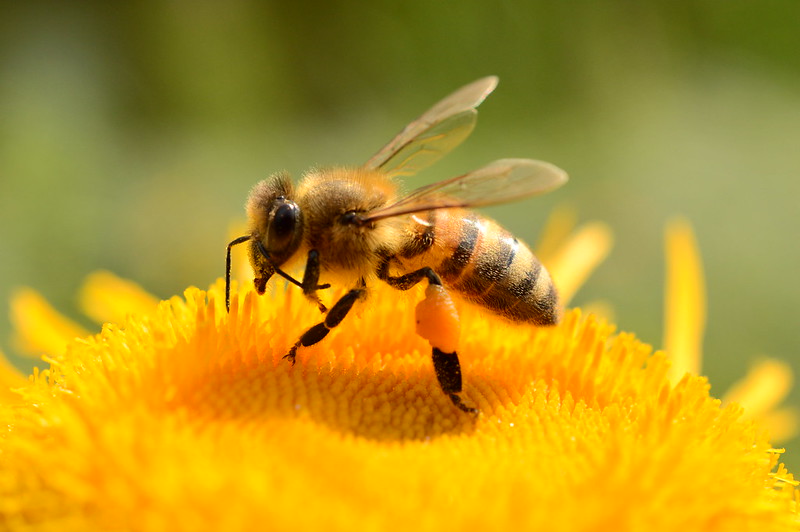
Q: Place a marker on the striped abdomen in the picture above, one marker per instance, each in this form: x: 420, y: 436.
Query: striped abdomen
x: 483, y: 263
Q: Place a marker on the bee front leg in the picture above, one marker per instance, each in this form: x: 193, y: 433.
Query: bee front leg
x: 437, y: 322
x: 332, y: 319
x: 311, y: 278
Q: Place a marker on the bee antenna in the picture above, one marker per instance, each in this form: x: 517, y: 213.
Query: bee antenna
x: 234, y: 242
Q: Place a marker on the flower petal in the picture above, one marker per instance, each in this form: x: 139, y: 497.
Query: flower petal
x: 572, y: 263
x: 39, y: 328
x: 760, y: 392
x: 685, y: 307
x: 104, y: 297
x: 559, y: 225
x: 766, y: 384
x: 782, y: 423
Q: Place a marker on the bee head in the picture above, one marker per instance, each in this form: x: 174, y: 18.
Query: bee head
x: 276, y: 226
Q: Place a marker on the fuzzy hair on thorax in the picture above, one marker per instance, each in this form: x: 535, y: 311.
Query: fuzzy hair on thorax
x: 348, y: 250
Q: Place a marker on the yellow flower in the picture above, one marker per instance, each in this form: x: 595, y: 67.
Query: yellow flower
x: 184, y: 418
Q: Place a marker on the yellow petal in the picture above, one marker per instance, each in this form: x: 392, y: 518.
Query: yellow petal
x: 685, y: 308
x: 766, y: 384
x: 557, y: 229
x: 760, y: 392
x: 572, y: 263
x: 600, y: 308
x: 39, y: 328
x: 781, y: 423
x: 104, y: 297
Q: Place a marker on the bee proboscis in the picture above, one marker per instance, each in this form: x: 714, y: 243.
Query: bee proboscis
x: 352, y: 228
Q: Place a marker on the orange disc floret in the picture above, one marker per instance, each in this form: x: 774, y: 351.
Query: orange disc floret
x: 437, y: 319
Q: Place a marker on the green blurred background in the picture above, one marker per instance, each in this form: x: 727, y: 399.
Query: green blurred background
x: 131, y: 134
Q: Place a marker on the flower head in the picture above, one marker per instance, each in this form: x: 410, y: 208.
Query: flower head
x: 183, y: 417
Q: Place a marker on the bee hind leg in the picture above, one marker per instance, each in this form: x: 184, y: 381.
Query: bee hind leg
x: 437, y: 322
x: 334, y: 317
x: 448, y: 373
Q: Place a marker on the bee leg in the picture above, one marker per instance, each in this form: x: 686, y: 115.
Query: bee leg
x: 448, y: 372
x: 437, y: 322
x: 404, y: 282
x: 311, y: 278
x: 332, y: 319
x: 234, y: 242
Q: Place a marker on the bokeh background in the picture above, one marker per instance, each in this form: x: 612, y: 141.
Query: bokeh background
x: 130, y: 134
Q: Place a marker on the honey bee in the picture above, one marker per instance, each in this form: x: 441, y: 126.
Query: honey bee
x: 352, y: 228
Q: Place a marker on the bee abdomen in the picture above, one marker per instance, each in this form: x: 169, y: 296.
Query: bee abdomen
x: 491, y: 268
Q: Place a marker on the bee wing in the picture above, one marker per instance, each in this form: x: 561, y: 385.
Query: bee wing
x: 431, y: 136
x: 501, y: 181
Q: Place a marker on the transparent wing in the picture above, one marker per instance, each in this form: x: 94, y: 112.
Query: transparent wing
x: 501, y: 181
x: 431, y: 136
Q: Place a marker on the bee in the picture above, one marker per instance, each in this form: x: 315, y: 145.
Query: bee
x: 352, y: 227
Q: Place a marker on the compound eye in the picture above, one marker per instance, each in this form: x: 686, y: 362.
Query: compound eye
x: 283, y: 225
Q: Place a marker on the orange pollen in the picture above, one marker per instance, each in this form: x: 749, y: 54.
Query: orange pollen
x: 437, y: 319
